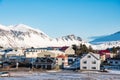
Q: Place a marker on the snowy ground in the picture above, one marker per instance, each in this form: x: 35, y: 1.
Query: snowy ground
x: 61, y: 76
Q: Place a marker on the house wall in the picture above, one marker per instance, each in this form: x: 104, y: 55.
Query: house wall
x: 60, y: 61
x: 102, y: 57
x: 15, y: 53
x: 66, y: 61
x: 45, y: 63
x: 112, y: 67
x: 0, y: 57
x: 9, y: 55
x: 112, y: 55
x: 50, y: 53
x: 114, y: 62
x: 71, y: 60
x: 31, y: 55
x: 69, y: 51
x: 89, y: 63
x: 45, y: 53
x: 20, y: 52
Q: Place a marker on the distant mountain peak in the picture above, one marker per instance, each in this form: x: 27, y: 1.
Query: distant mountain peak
x: 22, y: 35
x: 107, y: 38
x: 117, y: 33
x: 71, y: 37
x: 3, y: 27
x: 23, y: 27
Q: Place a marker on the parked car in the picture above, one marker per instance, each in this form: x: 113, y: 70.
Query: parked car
x: 4, y: 74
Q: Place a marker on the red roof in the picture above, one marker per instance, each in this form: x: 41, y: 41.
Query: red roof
x: 102, y: 52
x: 63, y: 48
x: 61, y: 56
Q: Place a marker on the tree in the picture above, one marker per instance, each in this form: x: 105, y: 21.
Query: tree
x: 84, y: 49
x: 74, y: 48
x: 117, y: 47
x: 114, y: 50
x: 81, y: 49
x: 90, y: 49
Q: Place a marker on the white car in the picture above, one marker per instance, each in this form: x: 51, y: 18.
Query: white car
x: 4, y: 74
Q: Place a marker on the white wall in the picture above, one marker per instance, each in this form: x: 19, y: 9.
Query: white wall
x: 31, y: 54
x: 89, y: 63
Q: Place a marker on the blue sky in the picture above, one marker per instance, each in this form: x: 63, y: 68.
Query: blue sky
x: 84, y: 18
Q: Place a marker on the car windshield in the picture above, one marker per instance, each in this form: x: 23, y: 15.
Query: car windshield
x: 3, y: 72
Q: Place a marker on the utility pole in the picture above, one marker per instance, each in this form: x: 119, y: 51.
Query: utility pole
x: 32, y: 57
x: 17, y: 64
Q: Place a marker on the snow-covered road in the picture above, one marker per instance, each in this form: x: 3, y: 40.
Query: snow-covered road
x: 61, y: 76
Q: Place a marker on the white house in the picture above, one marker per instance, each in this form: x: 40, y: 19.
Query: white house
x: 62, y: 60
x: 90, y: 61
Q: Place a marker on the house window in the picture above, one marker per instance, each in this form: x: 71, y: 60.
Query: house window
x: 93, y: 68
x: 111, y: 62
x: 47, y: 55
x: 116, y: 62
x: 84, y: 67
x: 70, y: 61
x: 89, y: 56
x: 94, y: 62
x: 85, y: 62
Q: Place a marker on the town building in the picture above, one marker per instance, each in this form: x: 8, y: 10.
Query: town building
x: 90, y: 61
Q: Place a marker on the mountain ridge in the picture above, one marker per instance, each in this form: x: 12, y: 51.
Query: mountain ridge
x: 108, y: 41
x: 25, y: 36
x: 107, y: 38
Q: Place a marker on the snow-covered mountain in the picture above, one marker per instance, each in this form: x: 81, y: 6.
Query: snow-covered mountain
x: 107, y: 41
x: 108, y: 38
x: 24, y: 36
